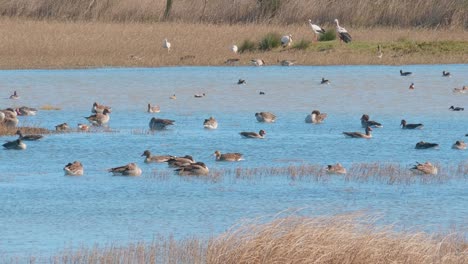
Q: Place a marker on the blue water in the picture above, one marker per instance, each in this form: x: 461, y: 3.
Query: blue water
x: 42, y: 211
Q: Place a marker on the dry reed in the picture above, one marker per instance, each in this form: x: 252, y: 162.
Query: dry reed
x: 11, y: 131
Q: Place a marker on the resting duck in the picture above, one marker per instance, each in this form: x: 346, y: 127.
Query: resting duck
x: 426, y: 145
x: 159, y: 124
x: 404, y: 125
x: 14, y: 96
x: 62, y: 127
x: 74, y: 169
x: 359, y: 134
x: 324, y: 81
x: 26, y: 111
x: 464, y: 89
x: 316, y: 117
x: 257, y: 62
x: 459, y: 144
x: 130, y: 169
x: 402, y: 73
x: 227, y: 156
x: 411, y: 87
x: 173, y: 97
x: 286, y: 63
x: 83, y: 127
x: 446, y: 74
x: 176, y: 162
x: 365, y: 122
x: 424, y: 168
x: 153, y: 109
x: 158, y: 159
x: 336, y: 169
x: 456, y: 108
x: 28, y: 137
x: 195, y: 169
x: 98, y: 108
x: 210, y: 123
x: 265, y: 117
x: 261, y: 134
x: 15, y: 144
x: 99, y: 119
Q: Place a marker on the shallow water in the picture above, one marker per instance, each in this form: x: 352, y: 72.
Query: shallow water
x: 43, y: 211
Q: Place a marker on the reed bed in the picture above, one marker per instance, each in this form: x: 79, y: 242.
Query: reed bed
x: 350, y: 238
x: 11, y: 131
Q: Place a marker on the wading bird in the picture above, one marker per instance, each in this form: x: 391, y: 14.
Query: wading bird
x: 317, y: 29
x: 342, y: 33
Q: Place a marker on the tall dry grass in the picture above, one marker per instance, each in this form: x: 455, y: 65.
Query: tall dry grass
x: 352, y: 238
x: 401, y: 13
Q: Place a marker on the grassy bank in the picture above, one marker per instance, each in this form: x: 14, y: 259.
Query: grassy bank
x: 294, y: 239
x: 51, y: 44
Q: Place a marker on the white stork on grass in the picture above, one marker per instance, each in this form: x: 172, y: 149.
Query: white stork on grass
x: 317, y: 29
x: 342, y: 33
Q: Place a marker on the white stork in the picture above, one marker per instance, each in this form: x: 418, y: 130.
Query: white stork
x: 167, y: 45
x: 286, y: 40
x: 342, y: 33
x: 317, y: 29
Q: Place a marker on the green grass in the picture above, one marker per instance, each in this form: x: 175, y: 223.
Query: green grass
x: 270, y: 41
x: 303, y: 44
x: 329, y: 35
x: 247, y: 46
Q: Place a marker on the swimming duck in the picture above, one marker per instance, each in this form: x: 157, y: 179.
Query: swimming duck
x: 459, y: 144
x: 227, y: 156
x: 456, y: 108
x: 210, y: 123
x: 98, y: 108
x: 411, y: 87
x: 324, y: 81
x: 402, y: 73
x: 173, y: 97
x: 266, y: 117
x: 404, y: 125
x: 74, y: 169
x: 15, y: 144
x: 62, y: 127
x: 130, y: 169
x: 176, y: 162
x: 14, y: 96
x: 159, y: 124
x: 28, y: 137
x: 153, y: 109
x: 241, y: 81
x: 464, y: 89
x: 26, y: 111
x: 261, y: 93
x: 99, y: 119
x: 195, y: 169
x: 83, y: 127
x: 158, y: 159
x: 424, y: 168
x: 359, y: 134
x: 286, y: 63
x: 446, y: 74
x: 199, y: 95
x: 315, y: 117
x: 365, y: 122
x: 261, y: 134
x: 336, y: 169
x: 426, y: 145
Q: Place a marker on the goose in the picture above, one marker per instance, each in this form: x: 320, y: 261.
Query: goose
x: 286, y: 41
x: 261, y: 134
x: 10, y: 121
x: 342, y: 33
x: 315, y: 117
x: 365, y: 122
x: 359, y: 134
x: 379, y: 52
x: 411, y: 87
x: 317, y: 29
x: 424, y: 168
x: 9, y: 113
x: 26, y: 111
x: 234, y: 48
x: 241, y: 81
x: 195, y: 169
x: 176, y: 162
x: 446, y: 74
x: 324, y: 81
x: 158, y: 159
x: 257, y: 62
x: 15, y: 144
x: 62, y: 127
x: 99, y: 119
x: 426, y: 145
x: 232, y: 61
x: 14, y: 96
x: 402, y: 73
x: 404, y: 125
x: 83, y: 127
x: 130, y: 169
x: 167, y: 45
x: 199, y: 95
x: 2, y: 116
x: 153, y: 109
x: 28, y: 137
x: 159, y: 124
x: 464, y: 89
x: 73, y: 169
x: 265, y: 117
x: 99, y: 109
x: 210, y: 123
x: 459, y: 144
x: 173, y: 97
x: 456, y: 108
x: 227, y: 156
x: 286, y: 63
x: 335, y: 169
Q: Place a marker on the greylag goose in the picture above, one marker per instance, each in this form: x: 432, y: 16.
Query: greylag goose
x: 266, y: 117
x: 99, y: 119
x: 15, y: 144
x: 404, y: 125
x: 14, y: 96
x: 176, y: 162
x: 365, y: 122
x: 315, y: 117
x: 336, y: 169
x: 359, y: 134
x: 210, y: 123
x: 158, y: 159
x: 261, y: 134
x: 195, y: 169
x: 426, y: 145
x: 459, y: 144
x: 130, y: 169
x: 28, y: 137
x: 74, y: 169
x: 159, y: 124
x: 424, y: 168
x: 227, y: 156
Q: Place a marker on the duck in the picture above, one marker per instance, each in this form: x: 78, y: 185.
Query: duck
x: 324, y: 81
x: 210, y: 123
x: 411, y: 87
x: 199, y: 95
x: 459, y: 144
x: 335, y: 169
x: 173, y: 97
x: 14, y: 96
x: 424, y: 168
x: 261, y: 93
x: 153, y: 109
x: 464, y: 89
x: 257, y: 62
x: 316, y: 117
x: 83, y: 127
x: 73, y: 169
x: 426, y: 145
x: 176, y: 162
x: 28, y: 137
x: 365, y: 122
x: 379, y: 52
x: 15, y: 144
x: 287, y: 63
x: 26, y: 111
x: 265, y: 117
x: 260, y: 134
x: 402, y: 73
x: 98, y: 108
x: 404, y: 125
x: 130, y: 169
x: 99, y: 119
x: 456, y: 108
x: 446, y: 74
x: 241, y: 81
x: 195, y: 169
x: 359, y: 134
x: 159, y: 124
x: 62, y: 127
x: 286, y: 41
x: 227, y: 156
x: 158, y: 159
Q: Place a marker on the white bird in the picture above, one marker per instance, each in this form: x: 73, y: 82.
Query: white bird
x: 342, y: 33
x: 234, y: 48
x: 167, y: 45
x: 286, y: 41
x: 317, y: 29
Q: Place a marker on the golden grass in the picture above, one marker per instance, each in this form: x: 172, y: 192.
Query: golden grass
x: 352, y: 238
x: 52, y: 44
x: 11, y: 131
x: 48, y: 107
